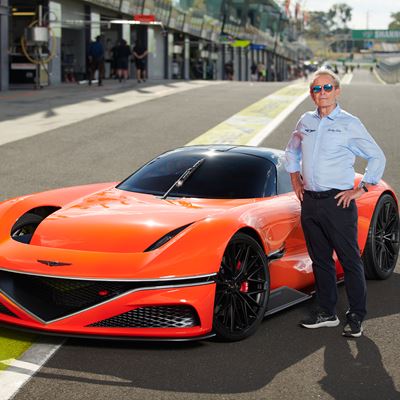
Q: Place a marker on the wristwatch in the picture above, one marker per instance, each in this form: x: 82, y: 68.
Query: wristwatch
x: 363, y: 186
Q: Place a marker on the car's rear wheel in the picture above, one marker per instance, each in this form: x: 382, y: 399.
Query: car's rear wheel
x: 242, y: 290
x: 382, y: 247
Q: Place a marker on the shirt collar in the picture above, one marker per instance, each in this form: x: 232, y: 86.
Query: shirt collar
x: 332, y: 115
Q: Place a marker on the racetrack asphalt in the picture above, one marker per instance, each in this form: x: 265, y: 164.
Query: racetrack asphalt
x: 281, y: 360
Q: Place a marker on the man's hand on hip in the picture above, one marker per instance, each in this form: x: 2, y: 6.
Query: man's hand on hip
x: 297, y: 184
x: 347, y: 196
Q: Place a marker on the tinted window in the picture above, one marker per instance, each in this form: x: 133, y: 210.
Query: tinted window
x: 221, y: 175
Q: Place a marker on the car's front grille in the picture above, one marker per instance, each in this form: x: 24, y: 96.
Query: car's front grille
x: 78, y: 294
x: 153, y: 317
x: 6, y: 311
x: 51, y: 298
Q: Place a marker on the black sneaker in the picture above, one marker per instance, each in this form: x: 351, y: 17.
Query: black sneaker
x: 320, y: 320
x: 353, y: 326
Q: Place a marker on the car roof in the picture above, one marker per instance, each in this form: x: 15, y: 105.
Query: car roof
x: 273, y: 155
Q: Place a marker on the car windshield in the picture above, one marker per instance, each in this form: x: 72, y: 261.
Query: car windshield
x: 222, y: 175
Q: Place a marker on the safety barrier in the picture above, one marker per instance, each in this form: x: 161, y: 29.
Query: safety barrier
x: 389, y: 69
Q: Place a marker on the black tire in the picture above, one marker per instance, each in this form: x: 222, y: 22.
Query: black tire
x: 23, y: 229
x: 242, y: 290
x: 382, y: 247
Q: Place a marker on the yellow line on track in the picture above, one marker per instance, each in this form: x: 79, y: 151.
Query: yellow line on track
x: 12, y: 345
x: 244, y: 126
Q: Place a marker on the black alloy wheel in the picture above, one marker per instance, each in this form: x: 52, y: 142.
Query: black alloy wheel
x: 242, y: 290
x: 382, y: 247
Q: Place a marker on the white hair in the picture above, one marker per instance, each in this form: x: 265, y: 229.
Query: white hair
x: 326, y: 71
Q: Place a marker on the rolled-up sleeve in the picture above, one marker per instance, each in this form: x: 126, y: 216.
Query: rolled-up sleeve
x: 293, y: 151
x: 362, y: 144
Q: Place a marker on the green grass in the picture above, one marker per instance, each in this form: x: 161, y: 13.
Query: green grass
x: 12, y: 345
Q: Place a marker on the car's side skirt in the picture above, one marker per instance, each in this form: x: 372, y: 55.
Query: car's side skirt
x: 284, y: 297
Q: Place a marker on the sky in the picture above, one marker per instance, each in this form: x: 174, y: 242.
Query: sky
x: 375, y: 13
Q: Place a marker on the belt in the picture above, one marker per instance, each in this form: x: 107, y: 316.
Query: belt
x: 323, y: 195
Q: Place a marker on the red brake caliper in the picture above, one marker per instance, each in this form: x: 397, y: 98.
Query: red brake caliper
x: 244, y: 286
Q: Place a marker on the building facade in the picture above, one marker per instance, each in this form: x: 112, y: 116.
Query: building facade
x: 186, y: 39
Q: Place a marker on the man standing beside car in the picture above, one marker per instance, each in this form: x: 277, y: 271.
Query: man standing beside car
x: 320, y: 158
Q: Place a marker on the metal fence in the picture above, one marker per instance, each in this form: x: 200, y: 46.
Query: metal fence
x: 389, y: 69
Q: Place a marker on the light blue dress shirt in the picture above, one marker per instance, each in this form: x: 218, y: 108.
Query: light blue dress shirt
x: 325, y: 149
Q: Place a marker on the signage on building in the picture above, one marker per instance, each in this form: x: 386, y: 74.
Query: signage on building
x: 380, y: 34
x: 240, y: 43
x: 144, y: 18
x: 258, y: 46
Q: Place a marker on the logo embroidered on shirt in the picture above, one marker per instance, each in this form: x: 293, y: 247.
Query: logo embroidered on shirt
x: 334, y: 130
x: 309, y: 130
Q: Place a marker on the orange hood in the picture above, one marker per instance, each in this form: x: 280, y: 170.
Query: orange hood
x: 120, y: 221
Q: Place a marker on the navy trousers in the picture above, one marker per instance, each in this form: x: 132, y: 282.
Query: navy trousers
x: 328, y: 227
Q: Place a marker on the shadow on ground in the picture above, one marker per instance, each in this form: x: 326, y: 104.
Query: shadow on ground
x: 229, y: 368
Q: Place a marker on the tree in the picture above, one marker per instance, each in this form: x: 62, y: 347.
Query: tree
x: 328, y: 30
x: 318, y: 25
x: 395, y: 24
x: 327, y: 23
x: 339, y: 15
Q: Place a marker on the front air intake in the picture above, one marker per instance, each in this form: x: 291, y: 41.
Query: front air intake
x: 53, y: 298
x: 153, y: 317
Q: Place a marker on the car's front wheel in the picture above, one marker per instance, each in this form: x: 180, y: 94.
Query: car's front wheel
x: 382, y: 247
x: 242, y: 290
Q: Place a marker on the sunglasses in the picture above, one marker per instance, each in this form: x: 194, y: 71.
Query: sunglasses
x: 328, y: 87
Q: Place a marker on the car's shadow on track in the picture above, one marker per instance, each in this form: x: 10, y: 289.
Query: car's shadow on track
x: 351, y: 366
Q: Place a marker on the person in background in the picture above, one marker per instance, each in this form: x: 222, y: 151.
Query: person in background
x: 123, y: 52
x: 96, y: 60
x: 114, y: 74
x: 140, y: 54
x: 228, y: 68
x: 272, y: 72
x: 261, y: 72
x: 108, y: 58
x: 253, y: 71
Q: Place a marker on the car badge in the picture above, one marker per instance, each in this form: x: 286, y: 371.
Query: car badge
x: 53, y: 263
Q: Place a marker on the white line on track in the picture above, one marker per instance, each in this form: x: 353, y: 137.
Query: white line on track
x: 19, y: 371
x: 264, y: 133
x: 379, y: 78
x: 346, y: 79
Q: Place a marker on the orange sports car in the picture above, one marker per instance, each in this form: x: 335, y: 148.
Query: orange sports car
x: 201, y: 240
